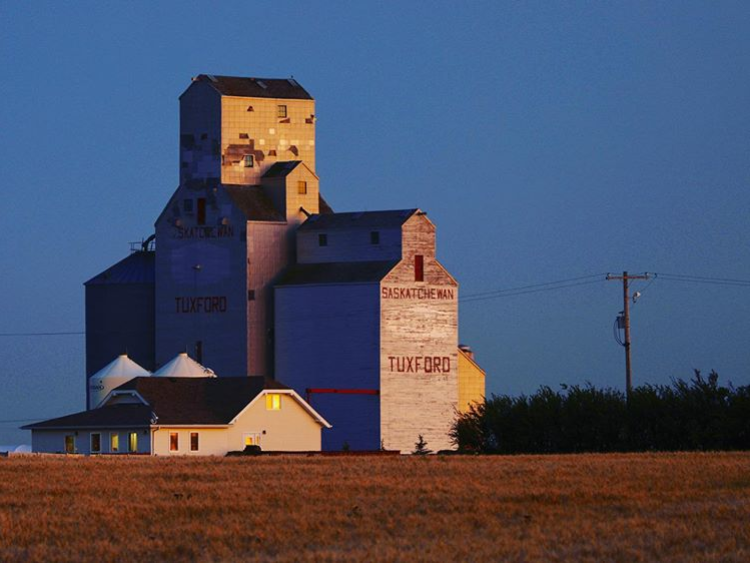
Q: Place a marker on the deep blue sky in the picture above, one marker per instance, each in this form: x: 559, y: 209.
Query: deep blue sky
x: 546, y: 141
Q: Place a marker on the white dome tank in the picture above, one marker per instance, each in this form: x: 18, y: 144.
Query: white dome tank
x: 111, y: 376
x: 183, y: 365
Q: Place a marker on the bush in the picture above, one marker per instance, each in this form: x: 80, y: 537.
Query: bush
x: 687, y: 415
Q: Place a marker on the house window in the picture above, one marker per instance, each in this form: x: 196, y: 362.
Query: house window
x: 187, y: 205
x: 193, y: 441
x: 323, y: 240
x: 174, y: 442
x: 419, y: 268
x: 133, y: 442
x: 280, y: 111
x: 301, y: 187
x: 375, y: 237
x: 96, y: 443
x: 251, y: 295
x: 273, y: 402
x: 199, y: 351
x: 114, y: 443
x: 201, y: 211
x: 70, y: 444
x: 249, y: 161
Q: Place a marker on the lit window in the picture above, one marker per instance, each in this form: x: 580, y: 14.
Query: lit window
x: 273, y: 402
x: 174, y: 442
x: 249, y: 161
x: 193, y: 441
x: 419, y: 268
x: 70, y: 444
x: 96, y: 443
x: 252, y: 439
x: 301, y: 187
x: 375, y: 237
x: 280, y: 111
x: 114, y: 443
x: 133, y: 442
x: 322, y: 240
x: 201, y: 219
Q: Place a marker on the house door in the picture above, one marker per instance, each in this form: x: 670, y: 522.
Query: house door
x: 252, y: 439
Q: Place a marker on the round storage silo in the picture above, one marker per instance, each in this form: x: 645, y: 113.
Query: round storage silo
x: 111, y: 376
x: 183, y: 365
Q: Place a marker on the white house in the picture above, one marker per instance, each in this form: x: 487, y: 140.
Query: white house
x: 186, y: 416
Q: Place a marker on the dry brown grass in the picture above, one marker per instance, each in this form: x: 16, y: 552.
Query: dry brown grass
x: 669, y: 507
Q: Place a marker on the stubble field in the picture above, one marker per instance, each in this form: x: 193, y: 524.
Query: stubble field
x: 637, y: 507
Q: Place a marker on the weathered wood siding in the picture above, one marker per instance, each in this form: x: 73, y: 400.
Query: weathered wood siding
x: 418, y: 346
x: 352, y: 245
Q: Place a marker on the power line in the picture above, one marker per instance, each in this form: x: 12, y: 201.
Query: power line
x: 513, y: 289
x: 472, y: 299
x: 704, y: 280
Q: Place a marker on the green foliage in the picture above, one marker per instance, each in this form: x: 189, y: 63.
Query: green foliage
x: 687, y: 415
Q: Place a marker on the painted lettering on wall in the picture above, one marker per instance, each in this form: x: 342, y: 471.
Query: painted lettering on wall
x: 420, y: 364
x: 214, y: 304
x: 222, y: 231
x: 435, y: 293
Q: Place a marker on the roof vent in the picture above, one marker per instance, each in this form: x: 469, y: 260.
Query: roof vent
x: 262, y: 84
x: 293, y: 82
x: 212, y: 78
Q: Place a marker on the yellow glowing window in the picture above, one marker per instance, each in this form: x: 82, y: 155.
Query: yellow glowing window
x: 250, y: 440
x: 174, y: 441
x: 273, y: 402
x: 114, y: 443
x: 301, y: 187
x: 280, y: 111
x: 133, y: 442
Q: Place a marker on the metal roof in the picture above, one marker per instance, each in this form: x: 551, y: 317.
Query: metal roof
x: 183, y: 365
x: 139, y: 267
x: 336, y: 273
x: 122, y: 366
x: 246, y: 87
x: 280, y: 169
x: 358, y: 220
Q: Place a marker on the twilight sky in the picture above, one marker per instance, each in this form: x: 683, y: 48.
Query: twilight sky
x: 546, y: 141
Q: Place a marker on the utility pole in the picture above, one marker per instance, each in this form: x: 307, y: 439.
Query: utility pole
x: 626, y: 317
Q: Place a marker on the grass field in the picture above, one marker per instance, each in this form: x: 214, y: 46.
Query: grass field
x: 637, y: 507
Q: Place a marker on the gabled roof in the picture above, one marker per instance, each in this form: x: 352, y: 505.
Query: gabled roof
x: 285, y: 88
x: 110, y: 416
x: 139, y: 267
x: 358, y: 220
x: 280, y: 169
x: 336, y: 273
x: 197, y: 401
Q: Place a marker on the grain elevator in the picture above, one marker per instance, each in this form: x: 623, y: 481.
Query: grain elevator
x: 254, y: 274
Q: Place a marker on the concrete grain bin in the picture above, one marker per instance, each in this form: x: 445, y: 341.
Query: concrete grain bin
x: 111, y: 376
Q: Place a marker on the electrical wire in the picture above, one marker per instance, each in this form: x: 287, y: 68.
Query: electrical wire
x: 473, y: 299
x: 532, y: 286
x: 704, y: 280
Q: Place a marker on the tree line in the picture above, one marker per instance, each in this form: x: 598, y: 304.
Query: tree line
x: 698, y: 414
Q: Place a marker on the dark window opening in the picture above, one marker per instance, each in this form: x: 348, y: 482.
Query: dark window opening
x: 96, y: 443
x: 375, y: 237
x: 204, y: 136
x: 419, y: 268
x: 187, y: 205
x: 193, y: 441
x: 302, y: 187
x: 199, y: 351
x: 280, y: 111
x: 322, y: 240
x: 201, y: 211
x: 251, y: 295
x: 249, y: 161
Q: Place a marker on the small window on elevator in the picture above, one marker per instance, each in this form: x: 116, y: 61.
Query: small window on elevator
x: 201, y: 218
x: 322, y: 240
x: 375, y: 237
x: 419, y: 268
x: 199, y: 351
x: 249, y: 161
x: 280, y: 111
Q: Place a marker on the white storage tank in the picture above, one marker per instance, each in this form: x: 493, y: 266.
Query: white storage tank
x: 111, y: 376
x: 183, y: 365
